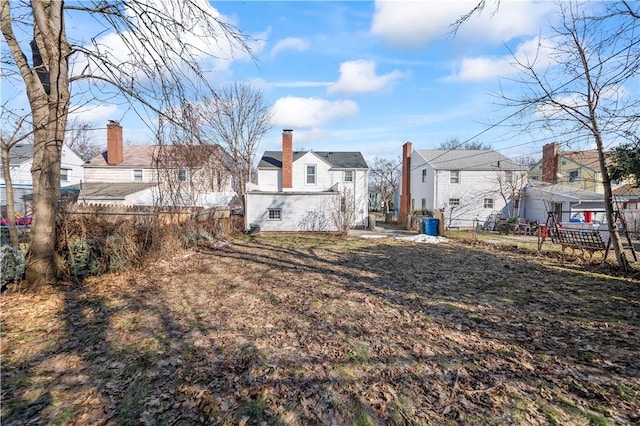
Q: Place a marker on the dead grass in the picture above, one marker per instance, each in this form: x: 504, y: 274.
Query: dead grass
x: 318, y: 329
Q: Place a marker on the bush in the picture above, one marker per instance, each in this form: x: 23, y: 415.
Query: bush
x: 11, y: 265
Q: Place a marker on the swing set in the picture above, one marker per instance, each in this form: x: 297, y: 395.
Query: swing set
x: 584, y: 237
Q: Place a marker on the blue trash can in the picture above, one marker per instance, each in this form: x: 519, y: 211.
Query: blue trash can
x: 431, y: 226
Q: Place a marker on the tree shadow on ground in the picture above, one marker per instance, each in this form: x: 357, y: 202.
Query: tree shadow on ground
x: 323, y: 330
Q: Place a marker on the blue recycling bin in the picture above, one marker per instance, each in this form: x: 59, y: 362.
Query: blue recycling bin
x: 431, y: 226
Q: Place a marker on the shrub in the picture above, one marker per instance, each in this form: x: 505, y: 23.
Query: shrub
x: 11, y: 265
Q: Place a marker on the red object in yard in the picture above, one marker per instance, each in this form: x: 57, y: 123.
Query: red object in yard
x: 588, y: 217
x: 543, y: 230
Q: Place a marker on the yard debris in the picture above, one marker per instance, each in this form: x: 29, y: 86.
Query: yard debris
x: 321, y: 329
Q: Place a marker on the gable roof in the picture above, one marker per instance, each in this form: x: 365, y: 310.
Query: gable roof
x: 564, y: 191
x: 468, y: 159
x: 132, y: 156
x: 20, y: 153
x: 111, y: 190
x: 337, y: 160
x: 146, y: 156
x: 585, y: 158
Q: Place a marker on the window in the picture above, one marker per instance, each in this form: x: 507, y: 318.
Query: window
x: 311, y: 174
x: 348, y: 176
x: 573, y: 176
x: 182, y: 175
x: 137, y: 175
x: 413, y: 204
x: 454, y: 202
x: 424, y: 204
x: 424, y: 175
x: 275, y: 214
x: 535, y: 177
x: 508, y: 176
x: 488, y: 203
x: 64, y: 174
x: 454, y: 176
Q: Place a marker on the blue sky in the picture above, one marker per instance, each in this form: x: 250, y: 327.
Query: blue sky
x: 369, y: 76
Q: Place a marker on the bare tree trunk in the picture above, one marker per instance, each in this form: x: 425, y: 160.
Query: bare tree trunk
x: 49, y: 99
x: 11, y: 211
x: 614, y: 235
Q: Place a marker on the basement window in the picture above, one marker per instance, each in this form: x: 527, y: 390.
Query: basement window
x: 275, y: 214
x: 454, y: 202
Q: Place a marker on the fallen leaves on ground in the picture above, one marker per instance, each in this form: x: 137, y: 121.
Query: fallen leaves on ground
x: 303, y: 329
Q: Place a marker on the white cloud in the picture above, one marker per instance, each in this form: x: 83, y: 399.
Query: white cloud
x: 199, y: 42
x: 310, y: 112
x: 360, y: 77
x: 290, y: 43
x: 95, y: 114
x: 263, y: 84
x: 535, y: 52
x: 414, y: 24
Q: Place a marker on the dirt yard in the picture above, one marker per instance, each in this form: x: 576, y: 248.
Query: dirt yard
x: 303, y: 330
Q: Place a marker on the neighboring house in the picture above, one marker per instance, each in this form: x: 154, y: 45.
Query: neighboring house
x: 574, y: 169
x: 156, y: 175
x: 308, y: 190
x: 540, y: 198
x: 466, y: 185
x: 20, y: 161
x: 628, y: 197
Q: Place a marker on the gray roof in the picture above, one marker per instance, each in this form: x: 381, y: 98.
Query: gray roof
x: 337, y: 160
x: 110, y: 190
x: 564, y: 191
x: 468, y: 159
x: 20, y: 153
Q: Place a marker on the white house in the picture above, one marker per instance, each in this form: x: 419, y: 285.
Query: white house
x: 20, y: 161
x: 466, y: 185
x: 156, y: 175
x: 308, y: 190
x: 541, y: 198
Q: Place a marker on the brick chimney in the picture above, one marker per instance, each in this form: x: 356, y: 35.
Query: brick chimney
x: 405, y: 194
x: 550, y: 162
x: 114, y: 143
x: 287, y: 159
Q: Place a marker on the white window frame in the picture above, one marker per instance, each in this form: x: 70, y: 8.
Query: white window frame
x: 424, y: 175
x: 454, y: 177
x: 64, y: 174
x: 307, y: 175
x: 424, y: 204
x: 274, y: 214
x: 508, y: 176
x: 348, y: 175
x: 135, y: 177
x: 488, y: 203
x: 454, y: 202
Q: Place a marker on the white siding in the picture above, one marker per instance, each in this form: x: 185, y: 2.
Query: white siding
x: 116, y: 174
x: 299, y: 212
x: 474, y: 187
x: 269, y: 180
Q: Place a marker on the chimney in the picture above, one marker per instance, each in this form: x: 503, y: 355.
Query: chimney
x: 287, y: 159
x: 550, y: 162
x: 405, y: 194
x: 114, y: 143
